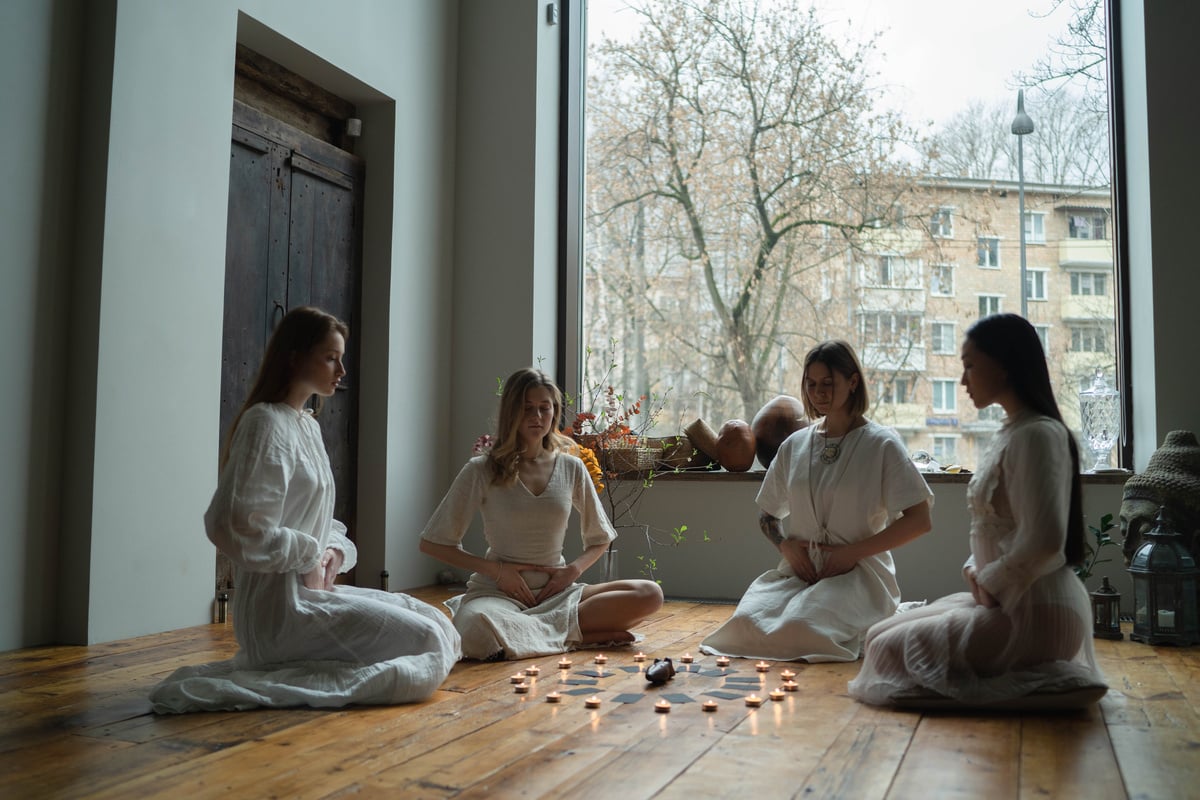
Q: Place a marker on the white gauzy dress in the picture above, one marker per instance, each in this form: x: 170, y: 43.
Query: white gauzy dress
x: 525, y: 528
x: 1039, y: 638
x: 272, y: 514
x: 783, y: 618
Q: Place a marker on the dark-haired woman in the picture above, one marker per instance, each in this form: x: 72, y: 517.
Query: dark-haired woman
x: 839, y: 496
x: 303, y: 640
x: 523, y: 598
x: 1025, y: 625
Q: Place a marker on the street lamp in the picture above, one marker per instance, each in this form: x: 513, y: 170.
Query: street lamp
x: 1022, y: 125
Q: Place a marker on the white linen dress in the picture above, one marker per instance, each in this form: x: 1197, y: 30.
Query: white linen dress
x: 520, y: 527
x: 1039, y: 638
x: 781, y: 617
x: 272, y: 514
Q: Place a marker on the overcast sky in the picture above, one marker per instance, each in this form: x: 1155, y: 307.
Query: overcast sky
x: 934, y: 55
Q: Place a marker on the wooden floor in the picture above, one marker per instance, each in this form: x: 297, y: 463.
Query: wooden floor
x: 74, y: 722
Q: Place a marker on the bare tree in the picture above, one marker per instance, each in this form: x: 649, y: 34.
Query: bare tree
x: 744, y: 144
x: 1078, y: 57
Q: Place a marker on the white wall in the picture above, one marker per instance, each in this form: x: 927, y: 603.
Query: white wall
x: 143, y: 376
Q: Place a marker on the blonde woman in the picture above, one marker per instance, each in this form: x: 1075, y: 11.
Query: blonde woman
x: 523, y: 598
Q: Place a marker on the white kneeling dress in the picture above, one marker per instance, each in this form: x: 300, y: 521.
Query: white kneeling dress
x: 272, y: 514
x: 781, y: 617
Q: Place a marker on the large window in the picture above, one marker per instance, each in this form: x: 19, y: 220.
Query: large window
x: 733, y: 217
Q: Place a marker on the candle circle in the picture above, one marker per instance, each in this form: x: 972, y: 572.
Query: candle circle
x: 564, y: 663
x: 722, y: 661
x: 686, y: 658
x: 754, y: 701
x: 663, y: 705
x: 521, y: 688
x: 777, y: 694
x: 532, y: 671
x: 640, y: 657
x: 553, y: 697
x: 787, y: 674
x: 518, y: 678
x: 790, y: 686
x: 762, y: 666
x: 601, y: 659
x: 592, y: 702
x: 709, y: 705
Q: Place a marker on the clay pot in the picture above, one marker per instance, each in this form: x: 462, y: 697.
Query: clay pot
x: 774, y: 422
x: 735, y: 446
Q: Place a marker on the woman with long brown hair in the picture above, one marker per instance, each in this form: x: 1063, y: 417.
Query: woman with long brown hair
x: 304, y: 639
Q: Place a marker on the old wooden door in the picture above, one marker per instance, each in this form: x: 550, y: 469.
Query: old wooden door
x: 293, y: 239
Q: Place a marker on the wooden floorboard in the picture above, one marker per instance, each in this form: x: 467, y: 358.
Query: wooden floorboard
x: 75, y: 722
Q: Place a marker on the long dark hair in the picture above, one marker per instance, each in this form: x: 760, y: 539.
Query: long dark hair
x: 301, y: 329
x: 1017, y: 348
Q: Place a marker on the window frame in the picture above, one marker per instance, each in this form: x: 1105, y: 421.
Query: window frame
x: 994, y: 249
x: 1032, y: 275
x: 943, y: 383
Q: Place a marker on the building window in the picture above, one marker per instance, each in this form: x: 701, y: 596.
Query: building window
x: 893, y: 390
x: 1089, y: 284
x: 890, y: 328
x: 945, y: 397
x: 1035, y: 284
x: 945, y: 450
x: 889, y: 271
x: 1043, y: 332
x: 941, y: 280
x: 989, y: 252
x: 1088, y: 339
x: 942, y: 339
x: 1035, y: 227
x: 941, y: 224
x: 989, y: 304
x: 1086, y: 225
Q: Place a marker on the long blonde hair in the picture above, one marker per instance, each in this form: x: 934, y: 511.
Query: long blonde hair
x: 300, y: 331
x: 505, y: 455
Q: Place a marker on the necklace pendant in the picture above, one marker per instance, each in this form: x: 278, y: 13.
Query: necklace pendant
x: 830, y: 452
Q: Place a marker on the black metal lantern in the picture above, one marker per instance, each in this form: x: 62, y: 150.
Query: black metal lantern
x: 1164, y: 589
x: 1106, y: 612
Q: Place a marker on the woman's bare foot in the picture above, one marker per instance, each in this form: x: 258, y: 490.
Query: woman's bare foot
x: 616, y: 637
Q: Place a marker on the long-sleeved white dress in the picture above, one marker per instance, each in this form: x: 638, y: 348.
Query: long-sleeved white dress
x: 272, y: 514
x: 525, y: 528
x: 781, y: 617
x: 1039, y: 638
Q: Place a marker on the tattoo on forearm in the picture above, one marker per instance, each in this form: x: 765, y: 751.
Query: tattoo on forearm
x: 770, y: 528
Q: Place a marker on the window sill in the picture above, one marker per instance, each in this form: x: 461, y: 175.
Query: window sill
x: 933, y: 478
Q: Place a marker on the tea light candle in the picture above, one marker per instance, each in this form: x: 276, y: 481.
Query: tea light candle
x: 762, y: 666
x: 722, y: 661
x: 601, y: 659
x: 790, y: 686
x: 532, y: 672
x: 592, y: 702
x: 663, y: 706
x: 518, y: 678
x: 564, y: 663
x: 787, y: 674
x: 709, y: 705
x: 686, y: 658
x: 555, y: 697
x: 754, y: 701
x: 776, y: 694
x: 640, y: 657
x: 521, y: 688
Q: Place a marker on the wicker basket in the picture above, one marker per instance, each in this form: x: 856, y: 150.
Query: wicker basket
x: 676, y: 452
x: 623, y: 459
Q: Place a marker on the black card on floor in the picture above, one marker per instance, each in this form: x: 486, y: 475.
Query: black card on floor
x: 595, y: 673
x: 677, y: 698
x: 725, y: 695
x: 583, y: 690
x: 628, y: 697
x: 629, y: 668
x: 580, y: 681
x: 743, y: 680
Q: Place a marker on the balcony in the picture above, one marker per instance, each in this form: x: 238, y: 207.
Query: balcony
x: 1085, y: 253
x: 1080, y: 307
